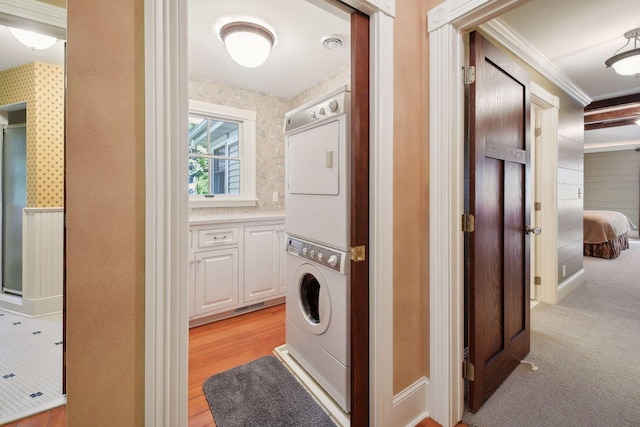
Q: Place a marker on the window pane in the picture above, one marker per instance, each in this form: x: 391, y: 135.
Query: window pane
x: 198, y: 175
x: 222, y: 137
x: 225, y: 176
x: 198, y: 142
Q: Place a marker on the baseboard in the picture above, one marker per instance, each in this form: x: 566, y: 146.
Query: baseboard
x: 38, y: 307
x: 633, y: 234
x: 410, y: 405
x: 570, y: 285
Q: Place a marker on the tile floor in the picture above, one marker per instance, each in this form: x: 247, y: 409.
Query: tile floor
x: 30, y: 364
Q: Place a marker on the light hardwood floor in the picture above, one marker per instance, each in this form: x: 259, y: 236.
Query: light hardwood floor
x: 213, y: 348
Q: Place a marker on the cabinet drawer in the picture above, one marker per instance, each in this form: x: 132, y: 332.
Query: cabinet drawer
x: 216, y: 237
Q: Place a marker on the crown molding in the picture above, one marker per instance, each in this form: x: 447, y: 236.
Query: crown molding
x: 511, y: 40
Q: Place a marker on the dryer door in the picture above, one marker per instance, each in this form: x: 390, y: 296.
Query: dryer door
x: 313, y: 160
x: 314, y: 300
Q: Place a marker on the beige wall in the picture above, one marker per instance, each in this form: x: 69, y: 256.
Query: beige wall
x: 411, y: 195
x: 41, y: 86
x: 105, y: 213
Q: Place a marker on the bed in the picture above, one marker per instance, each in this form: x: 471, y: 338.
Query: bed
x: 605, y: 233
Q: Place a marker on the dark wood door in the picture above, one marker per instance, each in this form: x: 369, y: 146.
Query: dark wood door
x: 498, y: 197
x: 359, y: 271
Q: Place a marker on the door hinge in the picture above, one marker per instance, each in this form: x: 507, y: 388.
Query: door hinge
x: 468, y: 223
x: 537, y: 132
x: 468, y: 75
x: 468, y: 371
x: 537, y: 206
x: 537, y: 280
x: 358, y: 253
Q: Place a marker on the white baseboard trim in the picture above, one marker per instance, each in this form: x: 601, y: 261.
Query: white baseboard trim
x: 31, y: 307
x: 635, y: 234
x: 37, y: 307
x: 570, y: 285
x: 410, y: 405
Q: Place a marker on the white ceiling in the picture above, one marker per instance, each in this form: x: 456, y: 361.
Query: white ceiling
x: 577, y: 36
x: 297, y: 60
x: 13, y: 53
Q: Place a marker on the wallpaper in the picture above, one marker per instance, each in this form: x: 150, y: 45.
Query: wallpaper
x: 270, y: 153
x: 41, y: 87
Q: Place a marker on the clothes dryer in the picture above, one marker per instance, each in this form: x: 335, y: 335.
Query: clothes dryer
x: 317, y: 170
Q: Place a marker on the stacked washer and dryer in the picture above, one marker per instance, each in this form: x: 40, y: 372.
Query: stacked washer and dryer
x: 317, y: 224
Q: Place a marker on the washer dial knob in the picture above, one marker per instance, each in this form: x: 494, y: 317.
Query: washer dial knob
x: 320, y: 256
x: 333, y: 105
x: 332, y: 261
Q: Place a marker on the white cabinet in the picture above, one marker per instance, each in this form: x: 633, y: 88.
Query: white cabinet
x: 216, y: 280
x: 263, y: 262
x: 235, y: 267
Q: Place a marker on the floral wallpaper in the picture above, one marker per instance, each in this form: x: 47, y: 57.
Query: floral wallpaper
x: 41, y: 87
x: 270, y: 152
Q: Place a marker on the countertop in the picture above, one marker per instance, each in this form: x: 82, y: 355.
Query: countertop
x: 231, y: 218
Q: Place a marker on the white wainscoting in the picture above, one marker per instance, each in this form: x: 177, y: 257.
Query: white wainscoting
x: 42, y: 260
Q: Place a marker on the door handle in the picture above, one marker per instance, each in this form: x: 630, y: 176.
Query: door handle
x: 532, y: 230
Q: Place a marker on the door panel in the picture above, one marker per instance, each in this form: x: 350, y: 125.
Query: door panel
x: 498, y: 197
x: 14, y: 199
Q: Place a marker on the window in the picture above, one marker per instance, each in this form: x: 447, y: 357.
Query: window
x: 221, y: 155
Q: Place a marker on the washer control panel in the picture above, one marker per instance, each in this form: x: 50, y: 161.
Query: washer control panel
x: 327, y: 257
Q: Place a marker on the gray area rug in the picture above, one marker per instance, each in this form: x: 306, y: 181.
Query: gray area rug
x: 586, y: 349
x: 262, y: 393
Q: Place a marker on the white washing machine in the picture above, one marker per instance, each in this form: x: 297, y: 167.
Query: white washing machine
x: 317, y: 170
x: 317, y: 327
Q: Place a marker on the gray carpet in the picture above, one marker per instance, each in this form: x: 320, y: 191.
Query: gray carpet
x: 586, y: 349
x: 262, y: 393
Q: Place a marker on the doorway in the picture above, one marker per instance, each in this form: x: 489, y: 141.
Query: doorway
x: 166, y: 79
x: 446, y: 35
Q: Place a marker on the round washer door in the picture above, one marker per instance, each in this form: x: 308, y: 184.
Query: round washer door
x: 314, y: 300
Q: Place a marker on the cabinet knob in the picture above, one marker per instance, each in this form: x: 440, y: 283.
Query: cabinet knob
x: 199, y: 261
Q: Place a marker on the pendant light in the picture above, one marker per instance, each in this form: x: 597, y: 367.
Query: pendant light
x: 248, y: 43
x: 33, y: 40
x: 627, y: 63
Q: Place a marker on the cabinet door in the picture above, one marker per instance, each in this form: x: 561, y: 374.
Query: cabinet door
x: 262, y: 267
x: 192, y: 285
x: 216, y: 280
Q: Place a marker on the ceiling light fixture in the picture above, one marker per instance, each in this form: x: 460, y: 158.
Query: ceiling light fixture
x: 33, y: 40
x: 627, y: 63
x: 248, y: 44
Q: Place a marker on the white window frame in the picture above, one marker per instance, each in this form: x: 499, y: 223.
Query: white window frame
x: 247, y: 155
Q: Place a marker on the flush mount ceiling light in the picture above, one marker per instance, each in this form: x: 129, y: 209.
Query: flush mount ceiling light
x: 248, y: 43
x: 31, y: 39
x: 627, y: 63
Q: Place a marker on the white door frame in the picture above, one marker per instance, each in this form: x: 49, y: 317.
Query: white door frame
x: 166, y: 218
